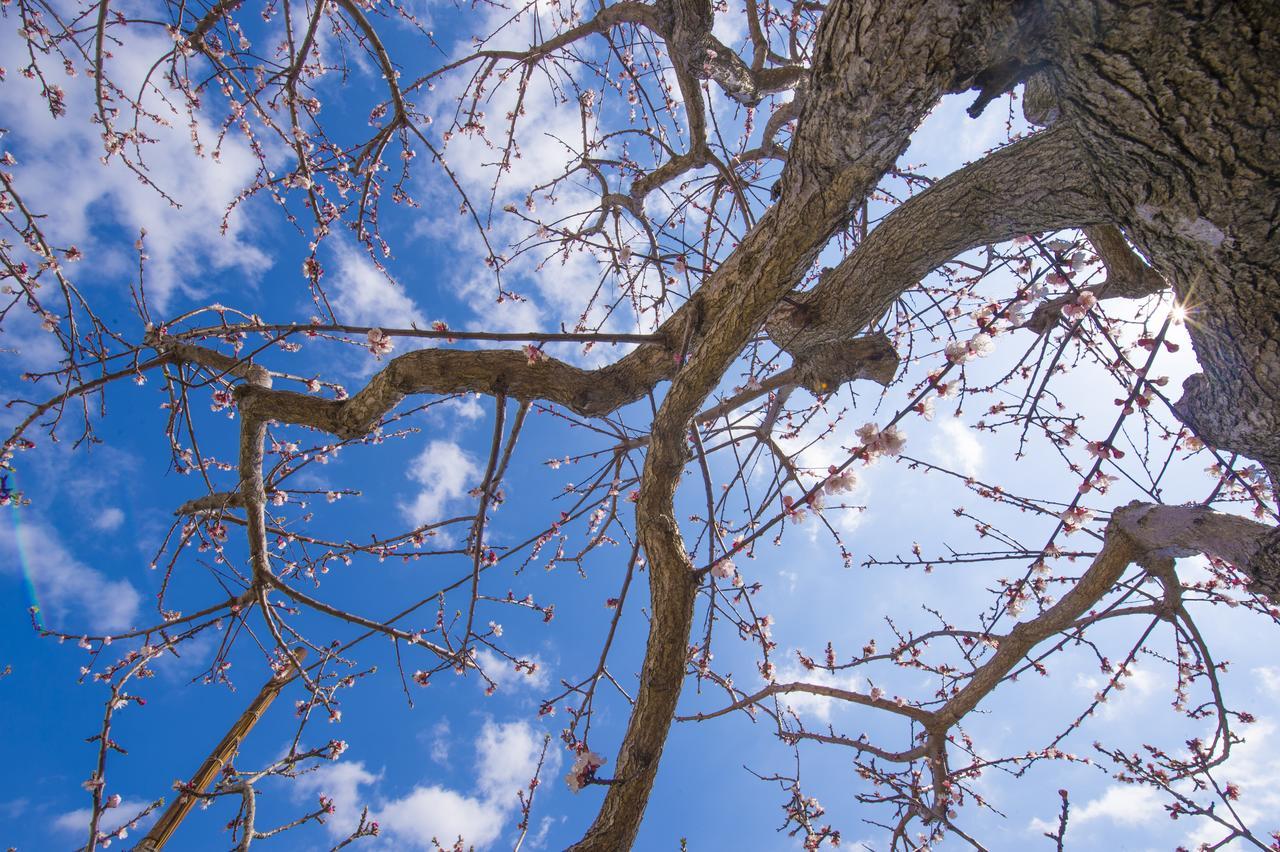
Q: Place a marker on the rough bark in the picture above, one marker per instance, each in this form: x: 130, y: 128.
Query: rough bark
x: 591, y: 393
x: 855, y: 122
x: 1177, y: 106
x: 1034, y: 185
x: 1171, y: 532
x: 686, y: 27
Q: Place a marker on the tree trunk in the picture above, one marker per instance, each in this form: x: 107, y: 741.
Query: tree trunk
x: 1177, y: 106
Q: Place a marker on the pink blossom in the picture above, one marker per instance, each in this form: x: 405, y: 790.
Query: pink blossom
x: 957, y: 352
x: 1081, y: 306
x: 439, y: 325
x: 840, y: 483
x: 981, y: 345
x: 794, y: 512
x: 583, y: 770
x: 875, y: 442
x: 1075, y: 518
x: 379, y: 343
x: 1103, y: 450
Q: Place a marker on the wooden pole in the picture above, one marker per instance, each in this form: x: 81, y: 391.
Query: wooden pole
x: 168, y: 823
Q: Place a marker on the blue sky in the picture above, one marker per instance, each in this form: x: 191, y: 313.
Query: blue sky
x: 452, y: 762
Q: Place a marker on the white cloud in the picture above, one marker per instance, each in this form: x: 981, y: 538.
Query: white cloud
x: 446, y: 472
x: 468, y: 407
x: 957, y: 447
x: 62, y: 582
x: 440, y: 735
x: 812, y: 707
x: 1127, y: 805
x: 507, y: 757
x: 1138, y: 687
x: 437, y: 813
x: 1253, y: 767
x: 1268, y: 679
x: 341, y: 782
x: 77, y: 821
x: 14, y: 808
x: 539, y: 839
x: 34, y: 349
x: 1040, y: 826
x: 361, y: 295
x: 504, y: 674
x: 552, y: 284
x: 810, y: 451
x: 948, y: 137
x: 108, y: 519
x: 61, y: 176
x: 731, y: 30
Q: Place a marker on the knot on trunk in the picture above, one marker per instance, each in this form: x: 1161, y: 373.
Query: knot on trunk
x: 1039, y: 101
x: 1231, y: 416
x: 1264, y: 566
x: 823, y: 363
x: 1160, y: 534
x: 824, y: 368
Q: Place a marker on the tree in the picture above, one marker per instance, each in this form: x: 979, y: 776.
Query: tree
x: 732, y: 198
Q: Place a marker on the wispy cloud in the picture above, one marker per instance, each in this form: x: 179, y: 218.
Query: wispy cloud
x: 76, y: 821
x: 60, y: 173
x: 812, y: 707
x: 957, y: 447
x: 66, y: 588
x: 365, y: 296
x: 504, y: 674
x: 446, y: 472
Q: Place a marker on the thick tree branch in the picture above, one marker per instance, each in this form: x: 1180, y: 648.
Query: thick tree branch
x: 1116, y: 555
x: 590, y: 393
x: 1170, y: 532
x: 1034, y: 185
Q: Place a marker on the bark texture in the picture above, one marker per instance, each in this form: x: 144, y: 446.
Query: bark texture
x: 1171, y: 532
x: 1177, y: 106
x: 1037, y: 184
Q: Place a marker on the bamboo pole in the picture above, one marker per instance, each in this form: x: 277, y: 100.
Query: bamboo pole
x: 222, y: 754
